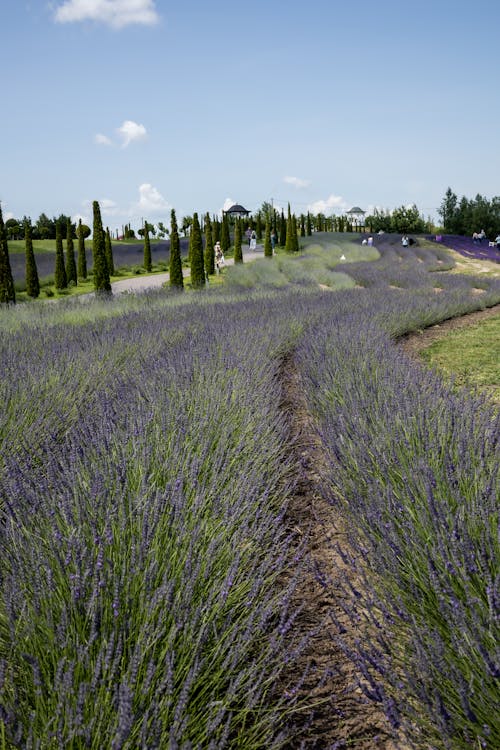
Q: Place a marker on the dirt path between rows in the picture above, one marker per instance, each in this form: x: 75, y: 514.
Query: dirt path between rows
x: 339, y: 715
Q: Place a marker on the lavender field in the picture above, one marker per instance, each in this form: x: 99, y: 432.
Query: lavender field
x: 147, y: 563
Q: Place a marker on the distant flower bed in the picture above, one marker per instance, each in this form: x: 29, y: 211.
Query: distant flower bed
x: 466, y: 246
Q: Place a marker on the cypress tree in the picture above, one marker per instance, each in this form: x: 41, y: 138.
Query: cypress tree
x: 308, y: 224
x: 238, y: 251
x: 147, y: 249
x: 215, y: 230
x: 289, y: 232
x: 268, y: 250
x: 196, y: 255
x: 108, y: 246
x: 175, y: 264
x: 295, y: 236
x: 282, y: 233
x: 82, y: 260
x: 225, y: 240
x: 209, y: 247
x: 7, y: 290
x: 60, y: 278
x: 258, y: 226
x: 102, y: 284
x: 32, y: 281
x: 70, y: 254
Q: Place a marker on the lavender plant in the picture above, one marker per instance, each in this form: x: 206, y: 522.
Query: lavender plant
x: 144, y: 477
x: 142, y: 535
x: 416, y: 467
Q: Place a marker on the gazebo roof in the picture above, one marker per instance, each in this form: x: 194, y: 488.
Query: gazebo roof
x: 356, y: 210
x: 236, y: 209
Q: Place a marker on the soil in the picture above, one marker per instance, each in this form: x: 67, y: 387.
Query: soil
x: 339, y: 715
x: 415, y: 342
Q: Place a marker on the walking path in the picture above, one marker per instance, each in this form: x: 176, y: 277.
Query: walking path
x: 142, y: 283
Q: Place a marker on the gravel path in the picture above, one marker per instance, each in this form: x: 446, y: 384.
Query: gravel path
x: 142, y: 283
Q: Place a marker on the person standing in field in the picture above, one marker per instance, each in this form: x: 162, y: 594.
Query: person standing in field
x: 219, y: 257
x: 253, y: 241
x: 273, y: 240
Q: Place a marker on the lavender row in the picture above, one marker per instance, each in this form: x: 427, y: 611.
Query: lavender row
x: 144, y: 478
x: 143, y: 487
x: 415, y: 466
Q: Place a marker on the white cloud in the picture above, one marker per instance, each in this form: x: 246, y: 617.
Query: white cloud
x: 75, y: 218
x: 328, y: 206
x: 115, y: 13
x: 131, y: 131
x: 228, y: 203
x: 109, y: 207
x: 297, y: 182
x: 102, y: 140
x: 128, y: 132
x: 151, y: 202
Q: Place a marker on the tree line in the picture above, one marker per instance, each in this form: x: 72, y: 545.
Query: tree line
x: 465, y: 215
x: 203, y: 234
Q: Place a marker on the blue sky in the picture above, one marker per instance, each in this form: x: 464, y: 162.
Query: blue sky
x: 148, y: 105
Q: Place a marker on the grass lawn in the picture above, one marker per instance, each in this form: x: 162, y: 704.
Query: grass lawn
x: 39, y: 246
x: 471, y: 356
x: 49, y: 246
